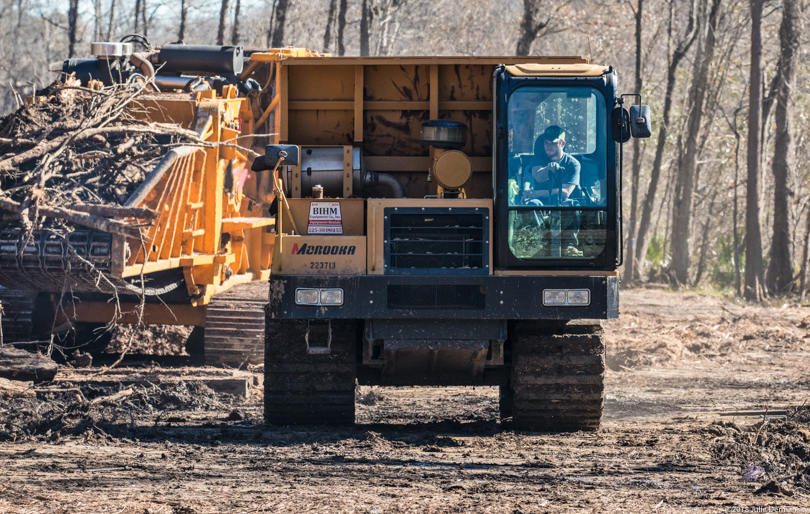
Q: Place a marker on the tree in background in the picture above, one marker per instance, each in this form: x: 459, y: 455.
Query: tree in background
x: 366, y: 19
x: 181, y: 32
x: 753, y: 236
x: 223, y: 15
x: 682, y: 218
x: 530, y: 25
x: 275, y: 34
x: 779, y: 278
x: 235, y: 28
x: 682, y: 45
x: 73, y: 19
x: 635, y: 173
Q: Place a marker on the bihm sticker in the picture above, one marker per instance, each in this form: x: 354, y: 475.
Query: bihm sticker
x: 324, y: 218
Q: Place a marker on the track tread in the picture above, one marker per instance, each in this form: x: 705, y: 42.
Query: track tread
x: 557, y: 378
x: 305, y: 389
x: 234, y: 332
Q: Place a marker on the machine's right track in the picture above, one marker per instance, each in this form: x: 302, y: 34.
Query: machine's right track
x: 306, y: 388
x: 556, y: 383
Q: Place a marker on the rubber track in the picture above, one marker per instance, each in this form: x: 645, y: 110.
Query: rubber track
x: 234, y: 333
x: 16, y: 318
x: 557, y: 378
x: 234, y: 326
x: 306, y: 389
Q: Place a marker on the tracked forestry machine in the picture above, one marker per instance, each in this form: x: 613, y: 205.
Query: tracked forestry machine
x: 420, y: 220
x: 409, y: 250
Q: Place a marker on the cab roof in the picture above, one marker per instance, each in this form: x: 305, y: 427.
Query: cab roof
x: 546, y: 70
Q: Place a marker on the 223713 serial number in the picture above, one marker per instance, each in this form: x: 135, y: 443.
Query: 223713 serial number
x: 321, y: 265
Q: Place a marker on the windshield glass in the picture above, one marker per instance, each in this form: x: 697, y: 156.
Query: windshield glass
x: 557, y: 172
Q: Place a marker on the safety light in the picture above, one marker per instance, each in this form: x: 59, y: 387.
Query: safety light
x: 579, y: 297
x: 307, y: 296
x: 566, y: 297
x: 554, y: 297
x: 332, y: 296
x: 326, y: 296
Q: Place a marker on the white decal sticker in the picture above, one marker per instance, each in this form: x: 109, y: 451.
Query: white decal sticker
x: 324, y: 218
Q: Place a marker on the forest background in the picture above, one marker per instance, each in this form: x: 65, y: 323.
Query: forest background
x: 719, y: 197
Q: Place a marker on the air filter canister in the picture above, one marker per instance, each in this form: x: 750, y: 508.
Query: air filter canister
x: 201, y: 59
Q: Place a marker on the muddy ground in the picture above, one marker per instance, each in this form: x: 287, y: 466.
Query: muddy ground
x: 704, y: 411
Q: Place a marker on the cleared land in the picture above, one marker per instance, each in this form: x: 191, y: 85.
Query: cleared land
x: 704, y: 412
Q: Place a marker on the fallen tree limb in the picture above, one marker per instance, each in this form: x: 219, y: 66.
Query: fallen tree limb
x: 115, y: 211
x: 87, y: 220
x: 21, y: 365
x: 113, y: 398
x: 48, y: 146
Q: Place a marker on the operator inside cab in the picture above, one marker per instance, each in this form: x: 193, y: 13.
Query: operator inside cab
x: 554, y: 174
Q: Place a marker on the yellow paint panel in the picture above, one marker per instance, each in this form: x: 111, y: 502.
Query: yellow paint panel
x: 321, y: 83
x: 321, y: 255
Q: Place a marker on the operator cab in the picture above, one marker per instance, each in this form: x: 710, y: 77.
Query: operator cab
x: 566, y: 217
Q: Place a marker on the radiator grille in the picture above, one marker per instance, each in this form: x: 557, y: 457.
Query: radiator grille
x: 441, y: 239
x: 444, y: 296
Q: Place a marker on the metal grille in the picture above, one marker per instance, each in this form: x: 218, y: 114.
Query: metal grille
x: 442, y: 239
x: 445, y: 296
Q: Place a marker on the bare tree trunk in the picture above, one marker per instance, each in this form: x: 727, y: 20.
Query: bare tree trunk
x: 73, y: 18
x: 341, y: 27
x: 779, y: 278
x: 279, y: 17
x: 366, y: 19
x: 144, y: 19
x: 327, y: 35
x: 235, y: 28
x: 223, y: 15
x: 529, y: 28
x: 97, y: 20
x: 629, y: 263
x: 753, y: 237
x: 701, y: 267
x: 735, y: 210
x: 805, y: 257
x: 683, y: 202
x: 111, y: 23
x: 655, y: 173
x: 181, y: 32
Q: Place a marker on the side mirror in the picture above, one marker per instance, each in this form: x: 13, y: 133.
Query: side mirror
x: 620, y: 124
x: 289, y: 155
x: 640, y: 125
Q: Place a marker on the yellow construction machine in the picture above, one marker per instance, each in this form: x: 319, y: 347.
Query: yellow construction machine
x: 211, y: 228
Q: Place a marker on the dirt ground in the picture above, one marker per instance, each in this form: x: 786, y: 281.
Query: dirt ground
x: 705, y: 411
